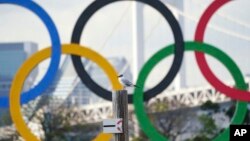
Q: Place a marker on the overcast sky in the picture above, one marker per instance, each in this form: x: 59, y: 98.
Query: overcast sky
x: 110, y: 31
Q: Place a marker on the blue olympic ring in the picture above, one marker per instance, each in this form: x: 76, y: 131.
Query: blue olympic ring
x: 55, y: 57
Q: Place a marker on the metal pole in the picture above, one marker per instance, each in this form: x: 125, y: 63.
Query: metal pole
x: 138, y: 38
x: 120, y: 110
x: 180, y: 80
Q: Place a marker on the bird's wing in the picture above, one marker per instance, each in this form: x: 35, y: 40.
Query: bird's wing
x: 126, y: 82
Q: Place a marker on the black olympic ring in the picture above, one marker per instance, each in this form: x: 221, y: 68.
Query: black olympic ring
x: 179, y: 48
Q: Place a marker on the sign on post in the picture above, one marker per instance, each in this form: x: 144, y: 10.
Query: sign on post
x: 113, y: 125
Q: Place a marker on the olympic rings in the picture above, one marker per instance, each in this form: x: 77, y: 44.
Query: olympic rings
x: 144, y: 121
x: 16, y: 99
x: 179, y: 49
x: 233, y: 93
x: 26, y: 68
x: 55, y: 57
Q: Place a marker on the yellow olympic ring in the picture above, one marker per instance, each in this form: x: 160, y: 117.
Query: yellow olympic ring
x: 32, y: 62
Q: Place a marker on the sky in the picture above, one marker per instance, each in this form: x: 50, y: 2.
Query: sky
x: 109, y: 32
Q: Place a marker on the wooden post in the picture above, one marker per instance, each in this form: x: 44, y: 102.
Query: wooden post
x: 120, y: 110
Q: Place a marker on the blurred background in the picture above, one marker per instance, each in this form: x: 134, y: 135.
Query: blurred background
x: 127, y: 34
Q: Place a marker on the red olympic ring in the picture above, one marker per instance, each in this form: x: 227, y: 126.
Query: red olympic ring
x: 233, y: 93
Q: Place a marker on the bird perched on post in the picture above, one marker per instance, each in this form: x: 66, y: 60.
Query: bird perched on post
x: 125, y: 82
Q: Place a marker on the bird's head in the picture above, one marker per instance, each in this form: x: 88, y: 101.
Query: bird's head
x: 120, y: 75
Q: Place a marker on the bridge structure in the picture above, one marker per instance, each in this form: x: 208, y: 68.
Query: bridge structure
x: 190, y: 97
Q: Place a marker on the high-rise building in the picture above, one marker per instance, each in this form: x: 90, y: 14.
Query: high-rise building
x: 12, y: 56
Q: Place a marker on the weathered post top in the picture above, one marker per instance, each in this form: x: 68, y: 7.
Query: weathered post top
x: 120, y: 110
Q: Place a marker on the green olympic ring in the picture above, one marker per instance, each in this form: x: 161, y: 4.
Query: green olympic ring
x: 145, y: 123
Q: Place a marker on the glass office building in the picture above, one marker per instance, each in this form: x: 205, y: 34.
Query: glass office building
x: 12, y: 56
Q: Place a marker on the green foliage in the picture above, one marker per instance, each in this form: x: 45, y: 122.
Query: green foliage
x: 200, y: 138
x: 208, y: 131
x: 209, y: 105
x: 58, y: 127
x: 209, y: 127
x: 159, y: 107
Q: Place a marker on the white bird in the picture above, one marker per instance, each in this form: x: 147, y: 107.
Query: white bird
x: 125, y: 82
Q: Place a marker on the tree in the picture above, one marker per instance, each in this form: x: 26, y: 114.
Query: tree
x: 209, y: 127
x: 209, y: 105
x: 208, y: 131
x: 171, y: 123
x: 61, y: 125
x: 158, y: 106
x: 200, y: 138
